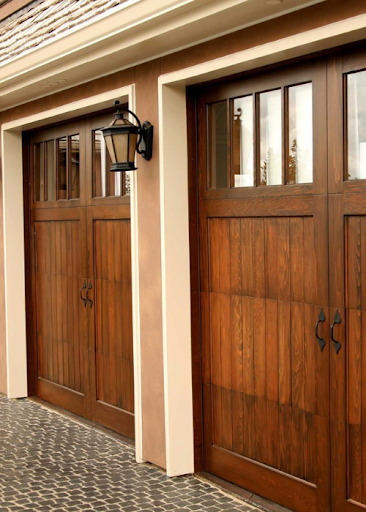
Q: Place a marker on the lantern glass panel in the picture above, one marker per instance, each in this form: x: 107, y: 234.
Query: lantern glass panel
x: 120, y: 141
x: 132, y: 148
x: 109, y: 144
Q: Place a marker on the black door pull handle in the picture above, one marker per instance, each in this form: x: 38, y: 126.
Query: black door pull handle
x: 321, y: 318
x: 336, y: 320
x: 87, y: 294
x: 81, y: 293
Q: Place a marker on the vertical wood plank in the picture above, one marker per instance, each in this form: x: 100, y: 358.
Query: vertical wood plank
x: 247, y: 256
x: 259, y: 267
x: 284, y: 356
x: 297, y: 354
x: 283, y: 259
x: 272, y: 274
x: 297, y: 259
x: 235, y: 256
x: 354, y: 262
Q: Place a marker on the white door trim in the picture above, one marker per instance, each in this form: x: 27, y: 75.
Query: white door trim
x: 14, y: 264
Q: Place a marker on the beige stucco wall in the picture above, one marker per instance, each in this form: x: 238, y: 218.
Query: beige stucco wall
x: 146, y: 79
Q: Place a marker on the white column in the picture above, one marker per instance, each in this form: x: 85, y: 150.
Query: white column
x: 176, y: 295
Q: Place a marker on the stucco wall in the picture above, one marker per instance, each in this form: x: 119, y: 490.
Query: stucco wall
x: 145, y: 77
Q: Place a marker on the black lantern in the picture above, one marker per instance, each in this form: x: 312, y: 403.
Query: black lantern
x: 123, y: 138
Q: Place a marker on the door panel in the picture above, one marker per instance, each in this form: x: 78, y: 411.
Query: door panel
x: 347, y: 232
x: 269, y: 378
x: 60, y: 316
x: 264, y: 286
x: 110, y: 242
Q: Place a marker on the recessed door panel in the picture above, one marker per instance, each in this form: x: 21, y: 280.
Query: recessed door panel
x: 112, y: 352
x: 61, y: 320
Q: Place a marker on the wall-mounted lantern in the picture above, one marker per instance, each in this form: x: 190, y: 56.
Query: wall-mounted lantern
x: 123, y: 138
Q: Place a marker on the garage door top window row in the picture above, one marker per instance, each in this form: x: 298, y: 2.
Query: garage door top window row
x: 58, y: 166
x: 266, y: 138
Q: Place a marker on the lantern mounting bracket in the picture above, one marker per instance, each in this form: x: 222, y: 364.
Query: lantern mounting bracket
x: 146, y: 130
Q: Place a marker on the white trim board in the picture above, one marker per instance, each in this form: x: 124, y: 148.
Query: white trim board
x: 176, y: 306
x: 13, y: 220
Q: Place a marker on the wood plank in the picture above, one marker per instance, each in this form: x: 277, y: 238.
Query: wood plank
x: 259, y: 268
x: 283, y: 259
x: 355, y: 462
x: 214, y: 254
x: 310, y: 275
x: 286, y: 206
x: 297, y: 355
x: 297, y: 259
x: 224, y: 251
x: 354, y: 291
x: 354, y: 370
x: 284, y: 355
x: 235, y: 257
x: 247, y: 256
x: 248, y: 345
x: 271, y: 261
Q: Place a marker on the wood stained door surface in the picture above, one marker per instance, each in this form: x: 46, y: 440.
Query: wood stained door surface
x: 347, y: 242
x: 80, y: 276
x: 283, y: 417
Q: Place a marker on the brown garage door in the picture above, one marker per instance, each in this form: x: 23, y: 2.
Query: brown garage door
x: 80, y: 275
x: 282, y: 164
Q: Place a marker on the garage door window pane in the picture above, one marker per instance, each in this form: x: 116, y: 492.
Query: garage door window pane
x: 243, y: 155
x: 270, y: 138
x: 50, y: 170
x: 62, y: 168
x: 38, y: 163
x: 75, y: 167
x: 217, y: 154
x: 300, y: 141
x: 356, y: 125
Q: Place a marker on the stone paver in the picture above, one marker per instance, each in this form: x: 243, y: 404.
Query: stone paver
x: 50, y: 462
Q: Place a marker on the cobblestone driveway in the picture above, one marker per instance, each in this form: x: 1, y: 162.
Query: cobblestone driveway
x: 50, y: 462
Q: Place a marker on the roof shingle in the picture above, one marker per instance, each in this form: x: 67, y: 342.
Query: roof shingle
x: 45, y: 21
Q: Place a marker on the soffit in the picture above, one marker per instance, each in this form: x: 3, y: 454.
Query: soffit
x: 135, y: 31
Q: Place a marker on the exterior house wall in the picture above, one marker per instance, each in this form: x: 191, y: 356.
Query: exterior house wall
x: 145, y: 77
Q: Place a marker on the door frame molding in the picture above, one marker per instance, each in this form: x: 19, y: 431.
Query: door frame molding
x: 183, y: 414
x: 14, y: 246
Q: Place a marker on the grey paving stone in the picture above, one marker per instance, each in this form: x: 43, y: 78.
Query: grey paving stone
x: 48, y: 462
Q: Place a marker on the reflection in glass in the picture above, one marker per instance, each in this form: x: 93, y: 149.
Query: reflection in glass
x: 75, y: 167
x: 270, y: 138
x: 243, y: 157
x: 217, y: 145
x: 127, y: 178
x: 50, y: 171
x: 61, y: 168
x: 356, y: 125
x: 300, y: 142
x: 38, y: 165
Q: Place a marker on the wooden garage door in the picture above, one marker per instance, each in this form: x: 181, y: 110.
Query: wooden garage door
x: 282, y: 171
x: 80, y: 275
x: 347, y: 243
x: 264, y: 284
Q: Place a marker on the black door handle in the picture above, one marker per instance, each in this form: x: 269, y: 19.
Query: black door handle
x: 321, y: 318
x: 87, y: 294
x: 336, y: 320
x: 81, y: 293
